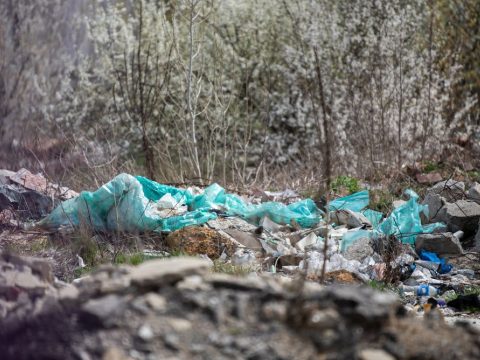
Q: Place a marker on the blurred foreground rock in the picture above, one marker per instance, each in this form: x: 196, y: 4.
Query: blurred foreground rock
x: 177, y: 309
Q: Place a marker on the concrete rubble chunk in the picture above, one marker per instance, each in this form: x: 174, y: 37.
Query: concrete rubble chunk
x: 164, y: 272
x: 461, y: 215
x: 443, y: 244
x: 474, y: 193
x: 350, y: 218
x: 451, y: 190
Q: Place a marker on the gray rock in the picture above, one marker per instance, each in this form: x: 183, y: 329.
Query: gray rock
x: 451, y: 190
x: 102, y: 311
x: 359, y: 250
x: 461, y: 215
x: 441, y: 244
x: 474, y: 193
x: 168, y: 271
x: 434, y: 203
x: 145, y: 333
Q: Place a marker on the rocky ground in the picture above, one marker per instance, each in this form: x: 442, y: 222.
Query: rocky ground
x: 178, y: 309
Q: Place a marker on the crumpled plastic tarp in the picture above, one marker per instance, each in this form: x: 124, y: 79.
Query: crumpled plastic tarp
x: 130, y: 204
x: 404, y: 221
x: 304, y: 213
x: 126, y: 203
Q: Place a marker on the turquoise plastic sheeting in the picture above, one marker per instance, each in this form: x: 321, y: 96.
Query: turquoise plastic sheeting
x: 128, y: 203
x: 121, y: 205
x: 355, y: 202
x: 404, y: 221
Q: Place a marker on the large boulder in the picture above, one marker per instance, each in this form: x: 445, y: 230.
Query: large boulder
x: 444, y: 244
x: 461, y: 215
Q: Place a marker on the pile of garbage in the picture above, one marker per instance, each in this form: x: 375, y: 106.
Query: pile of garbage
x: 178, y: 309
x: 415, y: 247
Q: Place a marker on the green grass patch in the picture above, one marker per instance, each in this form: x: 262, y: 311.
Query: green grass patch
x: 343, y: 184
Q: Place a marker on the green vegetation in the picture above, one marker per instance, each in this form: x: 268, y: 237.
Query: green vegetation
x: 381, y: 200
x: 343, y: 184
x: 431, y: 166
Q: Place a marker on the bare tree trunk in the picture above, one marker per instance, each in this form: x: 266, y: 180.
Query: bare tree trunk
x: 325, y: 123
x: 190, y: 107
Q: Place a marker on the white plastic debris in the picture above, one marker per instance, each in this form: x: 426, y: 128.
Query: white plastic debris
x: 167, y: 201
x: 81, y: 263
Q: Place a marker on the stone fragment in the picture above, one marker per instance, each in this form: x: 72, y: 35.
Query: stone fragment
x: 156, y: 273
x: 443, y: 244
x: 145, y: 333
x: 102, y: 311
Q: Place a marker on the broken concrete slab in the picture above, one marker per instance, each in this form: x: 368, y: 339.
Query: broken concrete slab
x: 461, y: 215
x: 451, y: 190
x: 446, y: 244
